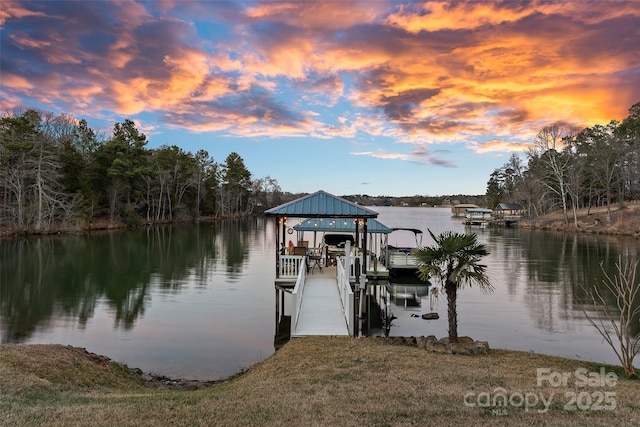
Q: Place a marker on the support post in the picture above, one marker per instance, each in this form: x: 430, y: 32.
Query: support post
x: 365, y: 253
x: 282, y: 301
x: 363, y: 281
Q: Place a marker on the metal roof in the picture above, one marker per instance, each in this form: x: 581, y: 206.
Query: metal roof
x: 341, y: 225
x: 321, y: 205
x: 480, y: 210
x: 509, y: 207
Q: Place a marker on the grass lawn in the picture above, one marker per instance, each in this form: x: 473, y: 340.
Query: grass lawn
x: 322, y: 381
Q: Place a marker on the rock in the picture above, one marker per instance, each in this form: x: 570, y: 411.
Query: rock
x: 430, y: 340
x: 440, y: 347
x: 465, y: 345
x: 428, y: 345
x: 410, y: 341
x: 421, y: 342
x: 457, y: 348
x: 430, y: 316
x: 465, y: 340
x: 480, y: 347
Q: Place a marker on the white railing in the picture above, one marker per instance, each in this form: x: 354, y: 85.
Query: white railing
x: 346, y: 294
x: 290, y: 265
x: 298, y: 291
x: 350, y: 260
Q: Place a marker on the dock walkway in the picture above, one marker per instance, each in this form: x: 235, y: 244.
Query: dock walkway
x: 321, y: 312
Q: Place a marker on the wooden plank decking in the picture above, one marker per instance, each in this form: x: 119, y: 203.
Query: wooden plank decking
x: 321, y: 312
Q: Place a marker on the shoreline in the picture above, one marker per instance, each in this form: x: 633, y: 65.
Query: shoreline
x: 161, y: 381
x: 624, y: 222
x: 105, y: 226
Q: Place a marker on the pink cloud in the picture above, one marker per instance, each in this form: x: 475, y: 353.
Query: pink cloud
x: 500, y: 146
x: 417, y: 73
x: 12, y: 9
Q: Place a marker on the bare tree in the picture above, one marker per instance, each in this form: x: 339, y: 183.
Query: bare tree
x: 548, y: 147
x: 33, y: 197
x: 616, y: 326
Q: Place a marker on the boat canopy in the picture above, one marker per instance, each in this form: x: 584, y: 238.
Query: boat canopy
x: 479, y: 210
x: 417, y: 234
x: 413, y: 230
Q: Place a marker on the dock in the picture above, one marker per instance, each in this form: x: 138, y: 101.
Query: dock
x: 324, y: 303
x: 321, y: 311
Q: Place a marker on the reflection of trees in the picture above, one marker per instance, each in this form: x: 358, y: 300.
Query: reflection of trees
x: 29, y: 272
x: 559, y: 265
x: 234, y: 233
x: 50, y: 277
x: 504, y: 247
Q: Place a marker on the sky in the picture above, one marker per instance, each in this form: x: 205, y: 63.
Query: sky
x: 385, y: 98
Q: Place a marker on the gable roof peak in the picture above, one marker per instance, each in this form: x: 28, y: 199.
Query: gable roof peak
x: 322, y: 205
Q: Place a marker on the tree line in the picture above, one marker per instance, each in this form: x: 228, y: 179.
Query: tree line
x: 56, y: 173
x: 568, y: 169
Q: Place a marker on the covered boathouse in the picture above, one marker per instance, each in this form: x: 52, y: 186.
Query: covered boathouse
x: 327, y: 303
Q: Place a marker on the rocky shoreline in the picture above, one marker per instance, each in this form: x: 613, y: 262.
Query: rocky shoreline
x: 465, y: 345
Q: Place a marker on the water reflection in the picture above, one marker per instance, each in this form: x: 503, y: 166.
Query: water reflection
x: 554, y: 269
x: 197, y: 301
x: 539, y: 279
x: 64, y: 289
x: 56, y: 276
x: 383, y: 299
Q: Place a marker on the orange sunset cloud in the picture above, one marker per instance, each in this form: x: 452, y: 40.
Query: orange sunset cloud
x: 434, y: 72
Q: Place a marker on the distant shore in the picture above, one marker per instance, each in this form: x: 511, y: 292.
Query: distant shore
x: 624, y: 222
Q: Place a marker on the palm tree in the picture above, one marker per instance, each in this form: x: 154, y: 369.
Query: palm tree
x: 454, y: 261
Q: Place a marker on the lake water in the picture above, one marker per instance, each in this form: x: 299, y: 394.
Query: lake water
x: 538, y: 279
x: 198, y: 301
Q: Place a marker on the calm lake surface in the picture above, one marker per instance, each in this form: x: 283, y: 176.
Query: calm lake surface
x: 198, y: 301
